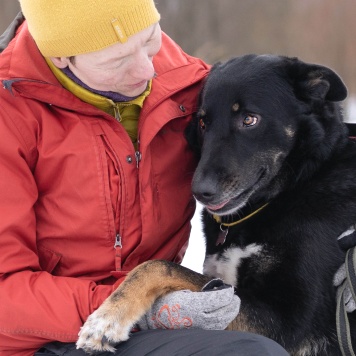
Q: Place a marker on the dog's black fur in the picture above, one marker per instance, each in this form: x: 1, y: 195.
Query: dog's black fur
x: 269, y: 130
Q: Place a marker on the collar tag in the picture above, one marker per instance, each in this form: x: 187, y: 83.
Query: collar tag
x: 222, y: 236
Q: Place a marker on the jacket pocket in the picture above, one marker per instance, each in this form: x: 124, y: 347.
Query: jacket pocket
x: 49, y: 259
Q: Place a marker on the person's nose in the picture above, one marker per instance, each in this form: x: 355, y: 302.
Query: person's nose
x: 143, y: 67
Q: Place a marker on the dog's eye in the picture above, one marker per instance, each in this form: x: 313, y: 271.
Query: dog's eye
x: 250, y: 120
x: 201, y: 124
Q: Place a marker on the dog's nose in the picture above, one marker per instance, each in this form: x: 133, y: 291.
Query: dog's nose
x: 204, y: 190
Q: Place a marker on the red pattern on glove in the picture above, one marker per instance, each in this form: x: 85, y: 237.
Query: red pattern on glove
x: 168, y: 317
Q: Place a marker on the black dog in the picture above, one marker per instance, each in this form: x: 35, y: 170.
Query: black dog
x: 279, y: 172
x: 277, y: 177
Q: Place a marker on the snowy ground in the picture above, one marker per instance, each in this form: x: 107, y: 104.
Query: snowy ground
x: 194, y: 256
x: 350, y: 110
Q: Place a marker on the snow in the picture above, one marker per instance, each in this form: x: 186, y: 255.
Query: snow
x: 194, y: 256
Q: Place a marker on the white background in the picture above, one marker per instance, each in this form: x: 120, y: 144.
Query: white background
x: 194, y: 256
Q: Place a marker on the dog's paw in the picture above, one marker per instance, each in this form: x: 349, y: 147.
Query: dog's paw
x: 102, y: 331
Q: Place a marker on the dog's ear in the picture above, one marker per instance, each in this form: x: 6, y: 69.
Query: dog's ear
x: 192, y: 132
x: 316, y: 82
x: 192, y: 136
x: 216, y: 65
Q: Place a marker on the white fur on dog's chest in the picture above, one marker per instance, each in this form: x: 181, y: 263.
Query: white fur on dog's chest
x: 225, y: 265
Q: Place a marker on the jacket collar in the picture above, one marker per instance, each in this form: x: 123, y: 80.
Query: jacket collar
x: 92, y: 98
x: 10, y: 32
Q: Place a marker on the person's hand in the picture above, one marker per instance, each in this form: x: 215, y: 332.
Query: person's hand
x: 212, y: 308
x: 347, y: 240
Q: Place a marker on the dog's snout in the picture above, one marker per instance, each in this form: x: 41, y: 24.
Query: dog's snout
x: 204, y: 190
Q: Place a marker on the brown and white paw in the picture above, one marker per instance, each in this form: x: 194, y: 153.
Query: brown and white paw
x: 102, y: 331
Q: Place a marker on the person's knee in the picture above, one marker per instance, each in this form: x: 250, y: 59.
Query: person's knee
x: 261, y: 345
x: 199, y: 342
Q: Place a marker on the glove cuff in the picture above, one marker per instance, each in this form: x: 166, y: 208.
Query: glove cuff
x: 215, y: 284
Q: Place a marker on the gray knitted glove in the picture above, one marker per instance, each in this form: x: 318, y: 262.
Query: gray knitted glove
x: 346, y: 241
x: 213, y: 308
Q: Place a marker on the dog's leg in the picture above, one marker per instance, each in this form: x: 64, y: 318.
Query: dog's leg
x: 113, y: 320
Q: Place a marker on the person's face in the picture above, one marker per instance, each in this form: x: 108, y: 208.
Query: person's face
x: 123, y: 68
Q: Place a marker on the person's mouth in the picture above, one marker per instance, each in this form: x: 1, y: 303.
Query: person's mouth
x: 138, y: 84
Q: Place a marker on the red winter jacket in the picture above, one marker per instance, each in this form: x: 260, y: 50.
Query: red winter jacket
x: 79, y: 208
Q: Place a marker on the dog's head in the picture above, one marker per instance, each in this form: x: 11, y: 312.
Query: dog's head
x: 264, y: 122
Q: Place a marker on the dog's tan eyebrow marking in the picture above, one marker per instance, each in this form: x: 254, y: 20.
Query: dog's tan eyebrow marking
x: 289, y: 131
x: 235, y: 107
x: 201, y: 112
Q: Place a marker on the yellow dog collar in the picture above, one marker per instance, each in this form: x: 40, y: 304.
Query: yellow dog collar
x: 217, y: 218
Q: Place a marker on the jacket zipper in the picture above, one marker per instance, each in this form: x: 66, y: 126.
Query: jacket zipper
x: 138, y: 157
x: 117, y: 241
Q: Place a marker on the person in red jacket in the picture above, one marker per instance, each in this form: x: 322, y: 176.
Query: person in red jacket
x: 95, y: 176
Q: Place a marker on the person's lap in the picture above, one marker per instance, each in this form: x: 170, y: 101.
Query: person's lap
x: 182, y: 343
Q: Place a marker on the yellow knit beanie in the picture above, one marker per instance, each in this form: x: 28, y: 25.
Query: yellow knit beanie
x: 64, y: 28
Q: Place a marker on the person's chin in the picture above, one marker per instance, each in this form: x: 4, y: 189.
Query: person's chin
x: 135, y: 89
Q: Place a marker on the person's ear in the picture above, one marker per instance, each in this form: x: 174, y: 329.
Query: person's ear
x: 60, y: 62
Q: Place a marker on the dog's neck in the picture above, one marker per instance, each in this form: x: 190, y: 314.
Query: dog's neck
x: 227, y: 222
x: 239, y: 220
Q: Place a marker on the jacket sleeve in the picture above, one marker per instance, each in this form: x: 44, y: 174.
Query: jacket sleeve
x: 36, y: 307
